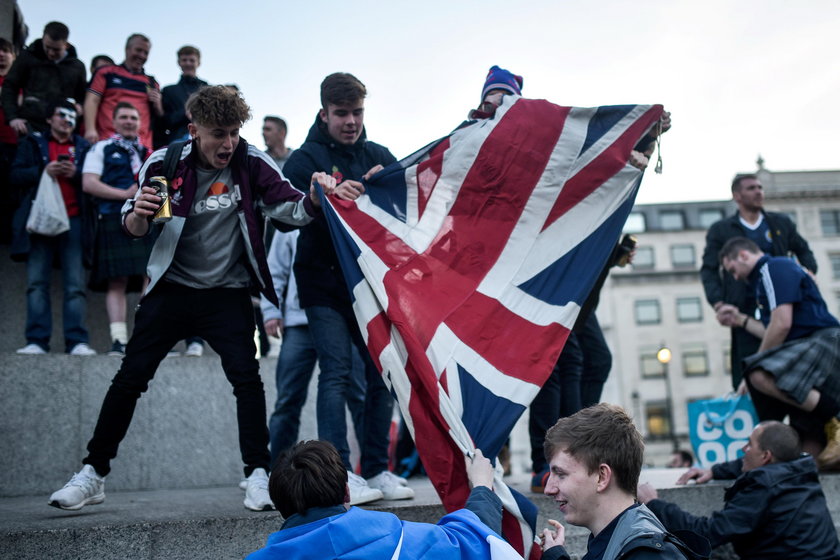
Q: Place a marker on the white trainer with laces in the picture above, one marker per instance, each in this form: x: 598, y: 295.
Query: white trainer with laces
x: 31, y: 349
x: 256, y: 492
x: 360, y: 492
x: 194, y: 350
x: 85, y: 488
x: 391, y: 486
x: 82, y: 349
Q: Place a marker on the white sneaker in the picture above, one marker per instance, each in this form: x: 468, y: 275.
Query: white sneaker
x: 391, y: 486
x: 82, y: 349
x: 195, y: 349
x: 243, y: 484
x: 256, y: 493
x: 85, y: 488
x: 31, y: 349
x: 360, y: 492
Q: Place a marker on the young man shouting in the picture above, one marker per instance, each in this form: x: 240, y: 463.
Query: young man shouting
x: 200, y: 270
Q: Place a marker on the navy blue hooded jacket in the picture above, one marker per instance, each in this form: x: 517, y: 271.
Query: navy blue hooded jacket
x: 318, y: 272
x: 777, y: 511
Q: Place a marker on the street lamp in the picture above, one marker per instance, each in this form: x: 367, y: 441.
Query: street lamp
x: 664, y: 358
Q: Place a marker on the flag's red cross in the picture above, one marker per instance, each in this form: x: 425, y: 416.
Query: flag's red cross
x: 439, y: 285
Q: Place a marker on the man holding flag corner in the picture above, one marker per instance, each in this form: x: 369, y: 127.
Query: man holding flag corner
x: 496, y: 232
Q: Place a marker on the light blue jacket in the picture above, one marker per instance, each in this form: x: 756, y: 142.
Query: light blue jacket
x: 281, y: 256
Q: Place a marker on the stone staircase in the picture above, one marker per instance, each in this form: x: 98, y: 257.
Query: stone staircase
x: 212, y: 523
x: 173, y: 490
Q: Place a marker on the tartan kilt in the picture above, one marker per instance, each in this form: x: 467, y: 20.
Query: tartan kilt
x: 812, y: 362
x: 118, y: 254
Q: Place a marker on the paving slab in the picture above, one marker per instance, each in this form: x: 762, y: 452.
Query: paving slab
x: 212, y: 522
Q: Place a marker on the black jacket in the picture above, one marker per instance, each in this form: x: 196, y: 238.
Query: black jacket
x: 777, y: 511
x: 172, y: 125
x: 318, y: 272
x: 719, y: 285
x: 42, y: 82
x: 648, y: 547
x: 638, y: 535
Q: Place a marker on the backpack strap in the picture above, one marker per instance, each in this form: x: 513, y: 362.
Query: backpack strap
x: 172, y: 157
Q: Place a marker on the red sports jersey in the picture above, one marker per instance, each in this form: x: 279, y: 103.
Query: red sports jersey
x: 68, y: 193
x: 114, y: 84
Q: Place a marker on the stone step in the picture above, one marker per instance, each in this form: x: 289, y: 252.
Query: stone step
x: 13, y: 304
x: 172, y: 524
x: 212, y: 522
x: 183, y: 435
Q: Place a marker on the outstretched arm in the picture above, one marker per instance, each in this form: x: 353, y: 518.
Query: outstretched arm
x: 482, y: 501
x: 740, y: 516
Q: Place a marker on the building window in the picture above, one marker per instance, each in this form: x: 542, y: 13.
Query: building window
x: 694, y: 360
x: 658, y: 423
x: 682, y: 256
x: 651, y: 368
x: 647, y: 312
x: 830, y: 222
x: 671, y: 220
x: 835, y: 264
x: 635, y: 223
x: 710, y: 216
x: 689, y: 310
x: 644, y: 258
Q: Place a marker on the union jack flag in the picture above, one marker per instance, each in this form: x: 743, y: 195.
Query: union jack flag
x: 468, y: 262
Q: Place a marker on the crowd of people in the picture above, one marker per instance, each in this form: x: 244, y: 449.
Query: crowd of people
x: 100, y: 140
x: 89, y: 134
x: 103, y: 139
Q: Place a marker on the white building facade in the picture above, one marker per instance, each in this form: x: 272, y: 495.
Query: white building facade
x: 659, y: 301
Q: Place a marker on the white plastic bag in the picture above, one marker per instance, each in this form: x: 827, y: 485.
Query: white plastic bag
x: 48, y: 215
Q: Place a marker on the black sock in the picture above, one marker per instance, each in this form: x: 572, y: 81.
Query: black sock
x: 826, y: 409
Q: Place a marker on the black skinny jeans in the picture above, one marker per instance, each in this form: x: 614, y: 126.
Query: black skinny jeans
x: 224, y: 317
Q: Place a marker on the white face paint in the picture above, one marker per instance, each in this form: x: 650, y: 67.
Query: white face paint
x: 69, y: 116
x: 62, y: 122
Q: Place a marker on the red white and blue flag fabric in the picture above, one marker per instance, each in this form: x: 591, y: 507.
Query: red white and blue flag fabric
x: 468, y: 262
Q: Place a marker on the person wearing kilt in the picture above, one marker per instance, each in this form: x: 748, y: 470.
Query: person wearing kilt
x: 797, y: 362
x: 119, y: 262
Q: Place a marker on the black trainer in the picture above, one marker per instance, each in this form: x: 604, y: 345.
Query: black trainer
x: 117, y: 349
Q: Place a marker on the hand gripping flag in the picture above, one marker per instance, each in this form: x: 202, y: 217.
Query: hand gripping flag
x: 468, y: 262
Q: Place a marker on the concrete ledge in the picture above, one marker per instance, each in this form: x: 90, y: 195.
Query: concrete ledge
x: 212, y: 522
x: 171, y: 524
x: 184, y: 432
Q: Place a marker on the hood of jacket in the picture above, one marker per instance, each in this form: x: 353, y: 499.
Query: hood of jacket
x: 318, y: 133
x: 771, y: 476
x: 357, y: 533
x: 36, y: 49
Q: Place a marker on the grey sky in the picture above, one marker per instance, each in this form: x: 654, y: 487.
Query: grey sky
x: 740, y: 77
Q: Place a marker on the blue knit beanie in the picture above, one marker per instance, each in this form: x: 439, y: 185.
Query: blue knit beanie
x: 499, y: 78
